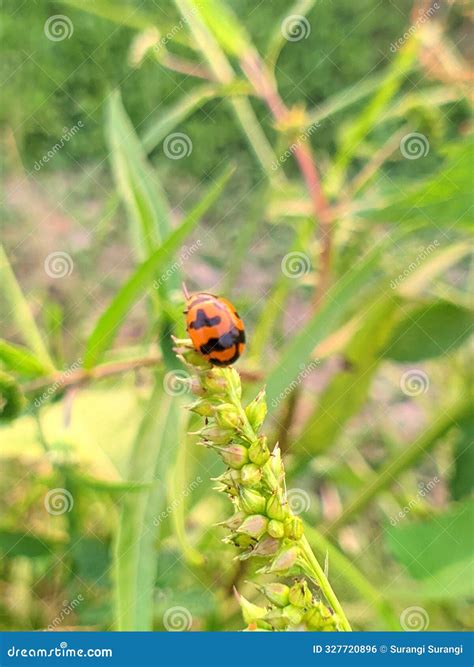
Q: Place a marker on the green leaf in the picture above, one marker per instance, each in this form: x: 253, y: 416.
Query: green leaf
x: 20, y: 312
x: 126, y: 15
x: 462, y: 480
x: 225, y: 25
x: 429, y: 331
x: 153, y: 452
x: 147, y: 207
x: 109, y: 322
x: 426, y: 548
x: 22, y: 361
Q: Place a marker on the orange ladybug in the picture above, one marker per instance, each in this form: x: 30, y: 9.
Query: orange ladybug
x: 215, y: 328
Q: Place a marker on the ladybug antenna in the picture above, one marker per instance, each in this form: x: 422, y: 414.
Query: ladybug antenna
x: 185, y: 291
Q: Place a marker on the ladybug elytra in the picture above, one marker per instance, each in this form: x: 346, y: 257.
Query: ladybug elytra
x: 215, y: 328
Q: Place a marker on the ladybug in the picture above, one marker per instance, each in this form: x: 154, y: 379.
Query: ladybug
x: 215, y: 328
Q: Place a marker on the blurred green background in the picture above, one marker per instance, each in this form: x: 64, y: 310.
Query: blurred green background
x: 107, y: 512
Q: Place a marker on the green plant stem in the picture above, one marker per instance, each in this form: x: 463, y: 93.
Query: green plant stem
x: 315, y: 571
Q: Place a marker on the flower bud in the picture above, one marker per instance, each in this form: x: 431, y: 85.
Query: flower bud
x: 233, y: 379
x: 250, y: 474
x: 251, y: 612
x: 275, y: 507
x: 276, y: 464
x: 268, y: 546
x: 256, y: 411
x: 254, y: 526
x: 276, y: 593
x: 294, y: 528
x: 234, y: 456
x: 300, y: 595
x: 277, y: 620
x: 214, y: 381
x: 233, y: 522
x: 293, y: 614
x: 227, y: 416
x: 252, y: 502
x: 285, y: 559
x: 201, y: 407
x: 219, y: 436
x: 196, y: 387
x: 259, y: 452
x: 276, y: 529
x: 319, y: 617
x: 239, y: 540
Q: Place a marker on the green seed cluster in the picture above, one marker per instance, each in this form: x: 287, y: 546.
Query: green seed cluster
x: 262, y: 524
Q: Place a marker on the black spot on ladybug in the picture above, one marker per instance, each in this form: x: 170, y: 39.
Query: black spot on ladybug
x: 202, y: 320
